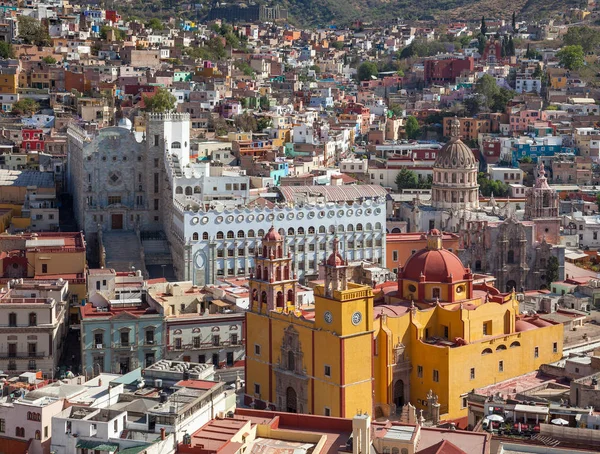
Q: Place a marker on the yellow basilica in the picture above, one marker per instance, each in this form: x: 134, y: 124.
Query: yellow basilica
x: 437, y: 337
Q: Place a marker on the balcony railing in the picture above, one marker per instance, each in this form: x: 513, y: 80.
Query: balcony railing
x: 22, y: 355
x: 205, y: 345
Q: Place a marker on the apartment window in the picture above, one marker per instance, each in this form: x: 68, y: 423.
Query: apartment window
x: 2, y: 425
x: 327, y: 411
x: 445, y: 331
x: 150, y: 336
x: 420, y: 371
x: 32, y: 365
x: 487, y: 328
x: 125, y: 338
x: 536, y: 352
x: 156, y: 204
x: 436, y: 375
x: 32, y: 319
x: 45, y: 431
x: 257, y: 389
x: 12, y: 319
x: 257, y: 349
x: 233, y: 339
x: 156, y: 141
x: 463, y: 402
x: 178, y: 343
x: 500, y: 366
x: 394, y: 256
x: 156, y: 183
x: 44, y: 268
x: 216, y: 340
x: 196, y: 341
x: 555, y: 347
x: 472, y: 373
x: 328, y: 371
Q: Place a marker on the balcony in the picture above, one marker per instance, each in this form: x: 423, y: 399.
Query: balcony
x: 22, y: 355
x: 130, y: 345
x: 205, y: 345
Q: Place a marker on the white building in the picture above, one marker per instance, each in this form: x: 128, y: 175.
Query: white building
x: 528, y: 85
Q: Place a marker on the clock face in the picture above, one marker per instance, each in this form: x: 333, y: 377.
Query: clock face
x: 356, y: 318
x: 328, y: 317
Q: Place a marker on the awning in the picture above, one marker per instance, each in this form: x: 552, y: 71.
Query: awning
x: 97, y: 445
x: 220, y: 303
x: 532, y: 409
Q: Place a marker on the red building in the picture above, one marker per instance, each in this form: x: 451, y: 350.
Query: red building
x: 447, y: 69
x: 33, y: 139
x: 113, y: 16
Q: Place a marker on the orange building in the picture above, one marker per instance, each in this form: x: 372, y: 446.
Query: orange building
x: 400, y: 246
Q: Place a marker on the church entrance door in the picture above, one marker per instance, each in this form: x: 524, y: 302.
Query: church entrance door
x: 117, y: 222
x: 399, y: 395
x: 291, y: 404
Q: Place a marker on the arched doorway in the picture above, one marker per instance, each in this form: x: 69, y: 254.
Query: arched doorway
x: 510, y: 285
x: 280, y: 299
x: 291, y: 401
x: 399, y: 395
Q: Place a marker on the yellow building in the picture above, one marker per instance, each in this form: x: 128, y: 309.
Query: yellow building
x: 9, y: 80
x: 438, y: 337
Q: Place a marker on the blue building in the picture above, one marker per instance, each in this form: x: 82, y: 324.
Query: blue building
x: 121, y: 329
x: 547, y: 146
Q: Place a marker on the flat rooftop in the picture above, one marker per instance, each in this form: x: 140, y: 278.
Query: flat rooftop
x: 26, y: 178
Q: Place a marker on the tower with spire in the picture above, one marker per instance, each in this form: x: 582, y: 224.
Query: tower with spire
x: 541, y: 207
x: 336, y: 268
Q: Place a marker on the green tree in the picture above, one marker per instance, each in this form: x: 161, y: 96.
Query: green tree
x: 6, y: 50
x: 31, y: 31
x: 162, y: 101
x: 367, y: 70
x: 487, y: 87
x: 49, y: 59
x: 501, y: 99
x: 263, y: 123
x: 526, y: 160
x: 338, y: 45
x: 551, y: 270
x: 488, y: 187
x: 25, y: 106
x: 571, y: 57
x: 105, y: 29
x: 412, y: 128
x: 483, y: 27
x: 586, y: 37
x: 514, y: 21
x: 155, y: 24
x: 246, y: 122
x: 407, y: 179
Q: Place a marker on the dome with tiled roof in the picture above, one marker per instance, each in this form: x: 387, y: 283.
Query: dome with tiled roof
x: 455, y: 154
x: 272, y: 235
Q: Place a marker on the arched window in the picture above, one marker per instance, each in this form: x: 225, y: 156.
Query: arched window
x: 378, y: 226
x: 240, y: 234
x: 340, y: 228
x: 501, y: 347
x: 197, y: 190
x: 178, y: 190
x: 359, y: 227
x: 195, y: 236
x: 261, y: 233
x: 291, y: 231
x: 188, y: 190
x: 250, y: 233
x: 258, y: 272
x: 350, y: 228
x: 487, y: 351
x: 322, y: 229
x: 263, y: 297
x: 230, y: 235
x: 281, y: 232
x: 176, y: 145
x: 291, y: 361
x: 369, y: 226
x: 38, y: 435
x: 478, y: 265
x: 311, y: 230
x: 32, y: 319
x: 219, y: 235
x: 300, y: 230
x: 205, y: 235
x: 395, y: 451
x: 515, y: 344
x: 510, y: 257
x: 435, y: 293
x: 386, y: 450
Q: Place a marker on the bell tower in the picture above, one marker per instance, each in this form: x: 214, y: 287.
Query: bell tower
x: 272, y: 283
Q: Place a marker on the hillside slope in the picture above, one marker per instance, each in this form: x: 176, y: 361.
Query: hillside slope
x: 323, y: 12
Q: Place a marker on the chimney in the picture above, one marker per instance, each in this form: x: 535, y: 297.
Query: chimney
x: 162, y: 433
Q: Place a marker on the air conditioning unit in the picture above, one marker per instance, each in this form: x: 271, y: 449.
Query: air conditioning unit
x: 98, y: 345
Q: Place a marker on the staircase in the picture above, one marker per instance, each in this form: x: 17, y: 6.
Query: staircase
x: 122, y: 250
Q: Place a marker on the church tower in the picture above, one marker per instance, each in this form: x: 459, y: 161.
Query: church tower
x: 541, y: 207
x: 336, y: 278
x: 272, y: 284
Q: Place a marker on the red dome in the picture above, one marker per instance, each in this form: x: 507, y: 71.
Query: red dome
x: 272, y: 235
x: 522, y: 325
x: 335, y: 260
x: 435, y: 265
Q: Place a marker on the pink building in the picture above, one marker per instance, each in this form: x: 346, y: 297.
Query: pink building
x: 520, y: 120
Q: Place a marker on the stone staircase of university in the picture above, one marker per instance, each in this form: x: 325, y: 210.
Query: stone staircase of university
x: 122, y: 251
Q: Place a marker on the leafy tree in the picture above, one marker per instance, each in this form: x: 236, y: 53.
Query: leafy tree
x: 25, y: 106
x: 245, y: 68
x: 366, y: 70
x: 526, y: 160
x: 49, y: 59
x: 514, y: 21
x: 481, y: 40
x: 6, y: 50
x: 571, y: 57
x: 586, y: 37
x: 473, y: 104
x: 106, y: 29
x: 155, y: 24
x: 407, y: 179
x: 488, y: 88
x: 412, y: 128
x: 338, y: 45
x: 31, y: 31
x: 551, y: 270
x: 162, y: 101
x: 219, y: 125
x: 483, y: 27
x: 510, y: 51
x: 488, y: 187
x: 501, y: 99
x: 395, y: 109
x: 263, y: 123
